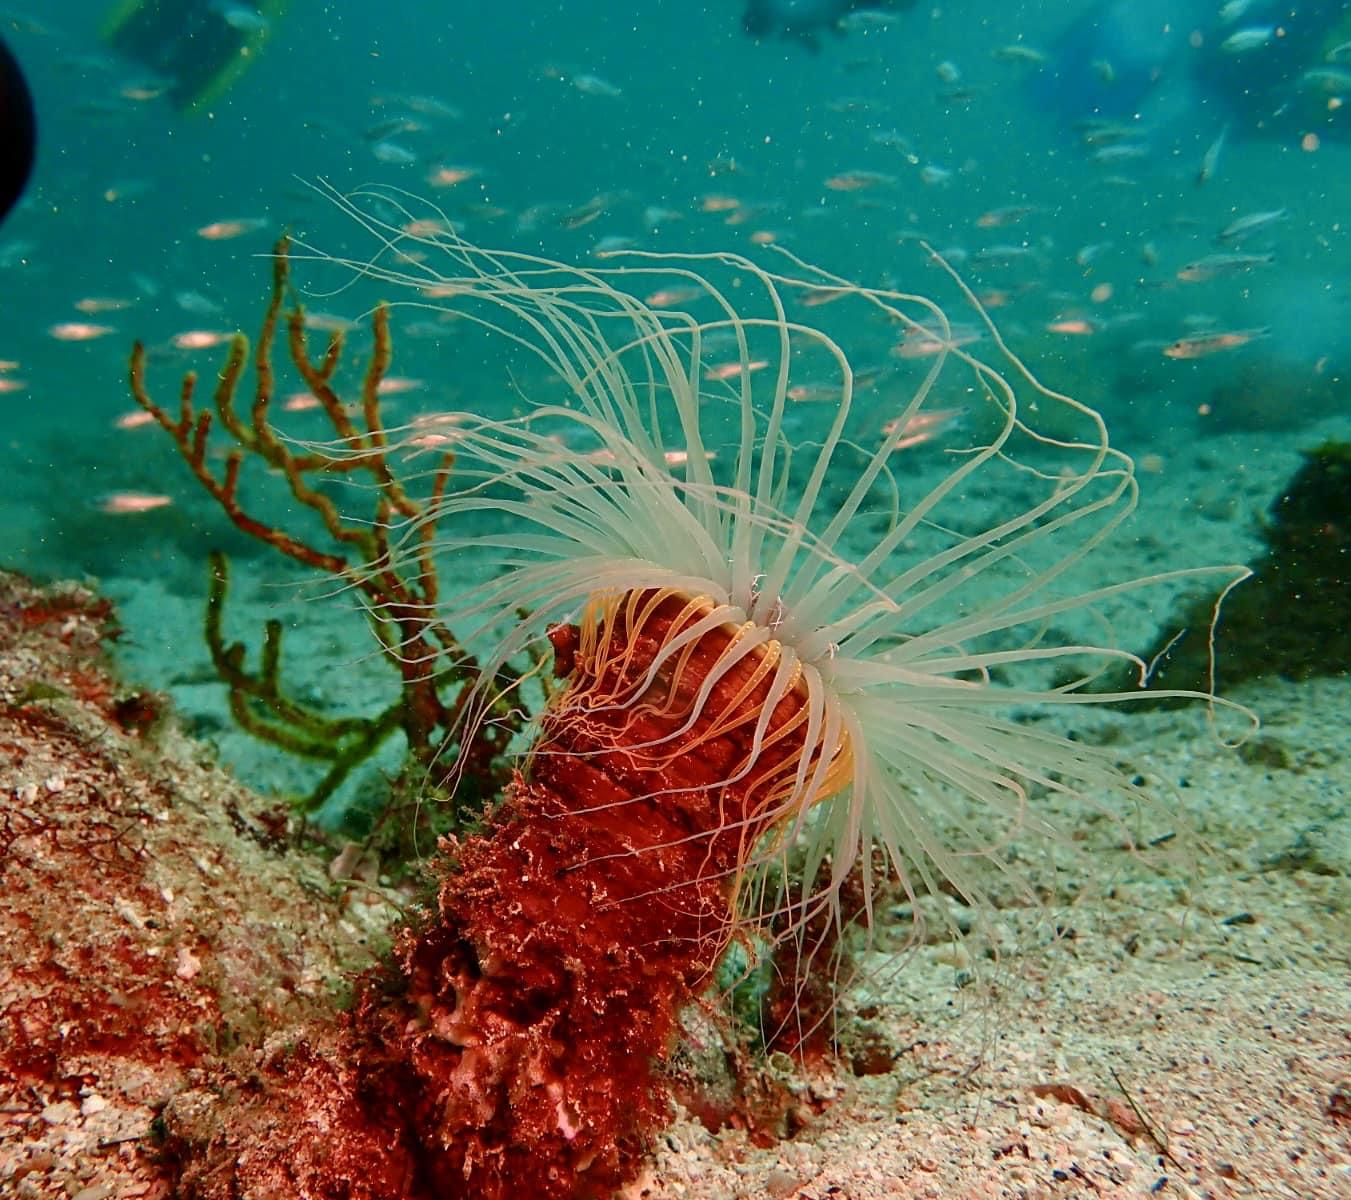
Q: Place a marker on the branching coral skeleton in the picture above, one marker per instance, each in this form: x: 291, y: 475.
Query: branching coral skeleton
x: 399, y: 600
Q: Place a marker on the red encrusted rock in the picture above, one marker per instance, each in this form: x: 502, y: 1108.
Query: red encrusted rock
x: 143, y: 939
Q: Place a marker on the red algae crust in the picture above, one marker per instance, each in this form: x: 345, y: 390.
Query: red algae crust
x: 153, y: 924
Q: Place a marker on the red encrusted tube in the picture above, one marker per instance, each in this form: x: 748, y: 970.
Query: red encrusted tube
x: 510, y: 1051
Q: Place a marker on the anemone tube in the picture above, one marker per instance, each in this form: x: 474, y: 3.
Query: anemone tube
x: 570, y: 938
x: 754, y: 693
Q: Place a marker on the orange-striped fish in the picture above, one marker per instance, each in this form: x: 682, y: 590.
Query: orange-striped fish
x: 718, y: 203
x: 79, y: 331
x: 219, y: 231
x: 121, y: 504
x: 1212, y: 343
x: 730, y: 370
x: 815, y: 297
x: 199, y: 339
x: 921, y: 427
x: 448, y: 176
x: 672, y: 297
x: 1074, y: 326
x: 856, y: 181
x: 136, y: 419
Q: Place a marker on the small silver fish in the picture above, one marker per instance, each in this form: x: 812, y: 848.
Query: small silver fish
x: 1254, y: 37
x: 1001, y: 256
x: 1244, y: 227
x: 430, y: 106
x: 594, y: 85
x: 1329, y: 81
x: 243, y: 17
x: 1120, y: 152
x: 864, y: 19
x: 1017, y: 52
x: 382, y: 131
x: 196, y: 303
x: 1233, y: 10
x: 1213, y: 266
x: 392, y: 154
x: 1210, y: 160
x: 893, y: 139
x: 1098, y: 132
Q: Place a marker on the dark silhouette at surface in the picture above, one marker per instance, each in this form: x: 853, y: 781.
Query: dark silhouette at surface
x: 18, y: 131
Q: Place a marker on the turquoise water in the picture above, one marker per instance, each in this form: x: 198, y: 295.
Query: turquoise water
x: 1085, y: 180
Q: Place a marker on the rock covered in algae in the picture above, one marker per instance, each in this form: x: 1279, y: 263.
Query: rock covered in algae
x: 1293, y: 618
x: 154, y: 923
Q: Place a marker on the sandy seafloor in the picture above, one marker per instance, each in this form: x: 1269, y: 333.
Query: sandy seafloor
x: 1200, y: 1001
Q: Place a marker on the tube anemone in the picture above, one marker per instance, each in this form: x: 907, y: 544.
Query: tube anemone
x: 899, y: 631
x: 779, y: 663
